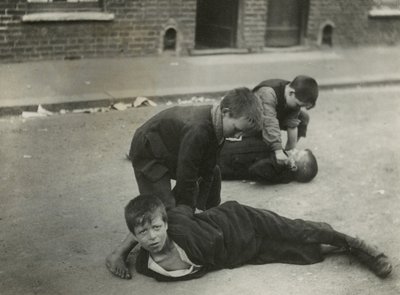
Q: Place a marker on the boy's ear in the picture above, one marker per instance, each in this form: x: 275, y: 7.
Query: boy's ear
x: 225, y: 111
x: 290, y: 90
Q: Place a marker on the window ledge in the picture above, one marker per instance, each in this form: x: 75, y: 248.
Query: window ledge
x: 384, y: 13
x: 67, y: 16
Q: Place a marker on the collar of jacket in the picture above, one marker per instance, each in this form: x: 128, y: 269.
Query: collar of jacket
x: 216, y: 116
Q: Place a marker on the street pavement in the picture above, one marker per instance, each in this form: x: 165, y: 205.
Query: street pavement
x: 100, y: 82
x: 64, y: 181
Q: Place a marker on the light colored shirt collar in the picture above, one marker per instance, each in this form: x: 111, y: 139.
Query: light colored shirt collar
x: 154, y: 266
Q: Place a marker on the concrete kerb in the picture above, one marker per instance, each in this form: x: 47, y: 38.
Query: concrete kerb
x: 105, y: 101
x: 101, y: 103
x: 365, y: 82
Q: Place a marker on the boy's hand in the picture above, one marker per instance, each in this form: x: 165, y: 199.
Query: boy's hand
x: 291, y: 152
x: 292, y: 164
x: 281, y: 157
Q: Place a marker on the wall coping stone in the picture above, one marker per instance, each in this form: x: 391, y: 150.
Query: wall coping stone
x: 67, y: 16
x: 384, y: 12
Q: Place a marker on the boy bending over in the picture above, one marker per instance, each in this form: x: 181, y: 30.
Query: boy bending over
x: 181, y: 245
x: 250, y: 159
x: 183, y: 143
x: 282, y: 103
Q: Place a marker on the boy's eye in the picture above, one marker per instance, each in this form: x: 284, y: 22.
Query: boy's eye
x: 142, y: 231
x: 157, y: 227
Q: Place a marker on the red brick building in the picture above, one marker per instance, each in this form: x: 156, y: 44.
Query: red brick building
x: 68, y: 29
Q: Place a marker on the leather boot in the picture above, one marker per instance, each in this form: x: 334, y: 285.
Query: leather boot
x: 376, y: 261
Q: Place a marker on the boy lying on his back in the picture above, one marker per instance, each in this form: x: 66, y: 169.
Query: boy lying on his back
x: 250, y: 159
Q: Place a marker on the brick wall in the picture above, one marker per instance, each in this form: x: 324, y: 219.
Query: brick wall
x: 353, y: 26
x: 136, y: 30
x: 138, y: 26
x: 254, y: 16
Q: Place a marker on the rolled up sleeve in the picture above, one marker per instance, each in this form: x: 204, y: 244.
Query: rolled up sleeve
x: 270, y: 131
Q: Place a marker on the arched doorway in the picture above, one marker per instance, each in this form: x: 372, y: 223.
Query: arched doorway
x: 170, y: 37
x: 216, y: 23
x: 327, y: 35
x: 286, y: 22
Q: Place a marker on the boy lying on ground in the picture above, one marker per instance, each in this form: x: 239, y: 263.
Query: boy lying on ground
x: 181, y: 245
x: 250, y: 159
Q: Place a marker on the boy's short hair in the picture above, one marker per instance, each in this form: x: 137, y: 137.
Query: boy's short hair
x: 241, y: 102
x: 142, y: 209
x: 307, y: 167
x: 306, y: 89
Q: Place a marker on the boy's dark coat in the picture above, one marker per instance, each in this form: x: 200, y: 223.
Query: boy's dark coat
x: 229, y: 236
x: 250, y: 159
x: 180, y: 141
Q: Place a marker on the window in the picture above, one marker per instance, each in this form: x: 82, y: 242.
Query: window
x: 385, y: 9
x: 66, y: 10
x: 64, y: 5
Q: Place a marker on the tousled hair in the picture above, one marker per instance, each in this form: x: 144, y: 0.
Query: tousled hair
x: 241, y: 102
x: 142, y: 209
x: 307, y: 167
x: 306, y: 89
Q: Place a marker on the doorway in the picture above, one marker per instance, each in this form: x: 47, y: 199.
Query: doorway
x: 286, y: 22
x: 216, y: 24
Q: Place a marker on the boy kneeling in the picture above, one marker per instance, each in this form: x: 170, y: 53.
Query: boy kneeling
x: 181, y: 245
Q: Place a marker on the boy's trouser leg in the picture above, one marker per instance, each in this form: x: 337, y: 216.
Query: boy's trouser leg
x: 276, y: 227
x: 214, y: 195
x: 160, y: 187
x: 302, y: 128
x: 210, y: 192
x: 297, y: 231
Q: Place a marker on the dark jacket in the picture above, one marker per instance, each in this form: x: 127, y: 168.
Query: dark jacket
x: 282, y: 111
x: 231, y: 235
x: 180, y: 141
x: 250, y: 159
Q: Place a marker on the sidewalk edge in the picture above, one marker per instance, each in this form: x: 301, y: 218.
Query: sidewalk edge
x: 163, y: 99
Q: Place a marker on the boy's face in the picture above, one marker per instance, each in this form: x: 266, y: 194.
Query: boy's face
x: 152, y: 235
x: 296, y: 154
x: 292, y: 101
x: 234, y: 127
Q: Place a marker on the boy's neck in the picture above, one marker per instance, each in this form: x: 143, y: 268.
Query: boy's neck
x: 169, y: 258
x: 165, y: 251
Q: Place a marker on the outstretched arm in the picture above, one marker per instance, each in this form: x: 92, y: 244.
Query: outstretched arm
x: 270, y: 130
